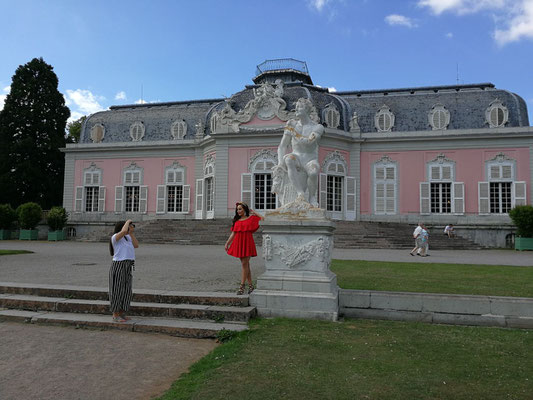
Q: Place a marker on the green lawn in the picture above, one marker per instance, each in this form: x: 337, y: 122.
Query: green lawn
x: 363, y: 359
x: 495, y: 280
x: 7, y: 252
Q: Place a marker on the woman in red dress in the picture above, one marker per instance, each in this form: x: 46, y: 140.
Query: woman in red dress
x: 241, y: 243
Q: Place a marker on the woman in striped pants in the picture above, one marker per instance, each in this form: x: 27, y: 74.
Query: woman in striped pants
x: 122, y: 247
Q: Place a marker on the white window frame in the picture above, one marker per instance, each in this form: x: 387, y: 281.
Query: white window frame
x: 137, y: 131
x: 444, y: 115
x: 335, y: 165
x: 92, y: 177
x: 209, y: 176
x: 178, y: 130
x: 388, y: 167
x: 331, y: 116
x: 175, y: 175
x: 494, y: 107
x: 131, y: 176
x: 262, y: 163
x: 386, y: 113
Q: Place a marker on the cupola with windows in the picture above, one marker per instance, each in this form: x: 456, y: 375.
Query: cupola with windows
x: 287, y: 69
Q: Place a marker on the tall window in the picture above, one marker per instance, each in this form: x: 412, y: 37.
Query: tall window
x: 209, y: 177
x: 441, y: 194
x: 91, y: 196
x: 336, y: 189
x: 256, y: 186
x: 132, y: 181
x: 132, y: 196
x: 501, y: 191
x: 385, y: 186
x: 174, y: 195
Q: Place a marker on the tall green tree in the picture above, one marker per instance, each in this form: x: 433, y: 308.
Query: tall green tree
x: 32, y: 130
x: 74, y: 130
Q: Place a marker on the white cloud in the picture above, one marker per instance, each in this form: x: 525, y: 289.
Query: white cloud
x: 318, y: 4
x: 3, y: 95
x: 519, y: 26
x: 514, y: 17
x: 332, y: 89
x: 140, y: 101
x: 82, y: 102
x: 449, y: 35
x: 395, y: 19
x: 120, y: 96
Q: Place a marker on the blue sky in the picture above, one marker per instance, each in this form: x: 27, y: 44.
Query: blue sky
x: 106, y: 52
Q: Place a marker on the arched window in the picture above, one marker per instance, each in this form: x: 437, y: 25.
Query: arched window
x: 441, y: 194
x: 496, y: 115
x: 91, y: 196
x: 256, y: 186
x: 384, y: 119
x: 132, y: 196
x: 137, y: 131
x: 205, y: 190
x: 439, y: 117
x: 178, y: 129
x: 337, y: 190
x: 385, y: 175
x: 501, y: 191
x: 331, y: 116
x: 174, y: 195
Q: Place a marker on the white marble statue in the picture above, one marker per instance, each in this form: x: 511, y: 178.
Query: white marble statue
x: 301, y: 165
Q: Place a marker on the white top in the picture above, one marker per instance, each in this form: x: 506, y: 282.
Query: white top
x: 123, y: 248
x: 417, y: 231
x: 448, y: 228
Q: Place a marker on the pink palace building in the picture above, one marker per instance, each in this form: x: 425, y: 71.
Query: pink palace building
x: 442, y: 154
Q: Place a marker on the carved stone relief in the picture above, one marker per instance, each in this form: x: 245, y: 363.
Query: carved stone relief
x: 97, y: 133
x: 294, y: 255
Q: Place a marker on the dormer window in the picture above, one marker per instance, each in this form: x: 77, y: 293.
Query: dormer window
x: 384, y: 119
x: 439, y: 117
x: 179, y: 129
x: 137, y: 131
x: 213, y: 123
x: 496, y: 115
x: 331, y: 116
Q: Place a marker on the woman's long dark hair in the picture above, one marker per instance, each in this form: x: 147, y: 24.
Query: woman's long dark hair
x: 246, y: 211
x: 118, y: 227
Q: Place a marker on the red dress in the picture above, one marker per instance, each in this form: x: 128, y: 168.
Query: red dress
x: 243, y: 244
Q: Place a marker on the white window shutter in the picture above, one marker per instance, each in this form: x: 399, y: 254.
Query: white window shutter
x: 351, y: 186
x: 379, y: 198
x: 323, y: 191
x: 143, y: 199
x: 101, y: 199
x: 390, y: 198
x: 519, y: 194
x: 136, y: 177
x: 495, y: 172
x: 446, y: 172
x: 96, y: 178
x: 88, y: 179
x: 186, y: 199
x: 424, y: 198
x: 170, y: 177
x: 380, y: 173
x: 507, y: 172
x: 199, y: 199
x: 483, y: 198
x: 160, y: 200
x: 119, y: 198
x: 435, y: 173
x: 389, y: 173
x: 128, y: 178
x: 78, y: 201
x: 179, y: 177
x: 246, y: 188
x: 458, y: 198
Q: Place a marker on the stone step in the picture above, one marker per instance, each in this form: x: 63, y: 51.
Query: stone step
x: 139, y: 295
x: 183, y: 311
x: 175, y: 327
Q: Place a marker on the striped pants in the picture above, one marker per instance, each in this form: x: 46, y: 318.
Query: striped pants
x: 120, y: 282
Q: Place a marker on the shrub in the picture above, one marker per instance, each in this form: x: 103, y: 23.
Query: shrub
x: 57, y: 218
x: 7, y: 216
x: 29, y: 215
x: 522, y: 217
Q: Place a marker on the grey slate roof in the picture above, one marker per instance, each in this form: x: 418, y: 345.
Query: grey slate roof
x: 466, y: 104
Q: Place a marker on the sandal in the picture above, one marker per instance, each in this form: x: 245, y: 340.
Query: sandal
x: 240, y: 292
x: 119, y: 319
x: 251, y: 288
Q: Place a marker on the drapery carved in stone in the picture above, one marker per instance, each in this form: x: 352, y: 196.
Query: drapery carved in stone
x: 293, y: 256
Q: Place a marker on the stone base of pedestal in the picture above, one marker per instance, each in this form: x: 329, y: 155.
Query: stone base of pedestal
x: 297, y: 282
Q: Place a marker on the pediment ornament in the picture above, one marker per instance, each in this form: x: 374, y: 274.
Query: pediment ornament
x: 441, y: 159
x: 264, y: 154
x: 333, y: 156
x: 501, y: 157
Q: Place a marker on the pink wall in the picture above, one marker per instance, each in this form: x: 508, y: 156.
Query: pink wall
x: 154, y: 174
x: 469, y: 168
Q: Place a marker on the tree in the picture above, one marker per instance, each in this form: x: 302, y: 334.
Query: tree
x: 74, y: 130
x: 32, y: 130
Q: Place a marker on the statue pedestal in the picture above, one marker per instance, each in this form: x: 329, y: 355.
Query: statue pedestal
x: 297, y: 282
